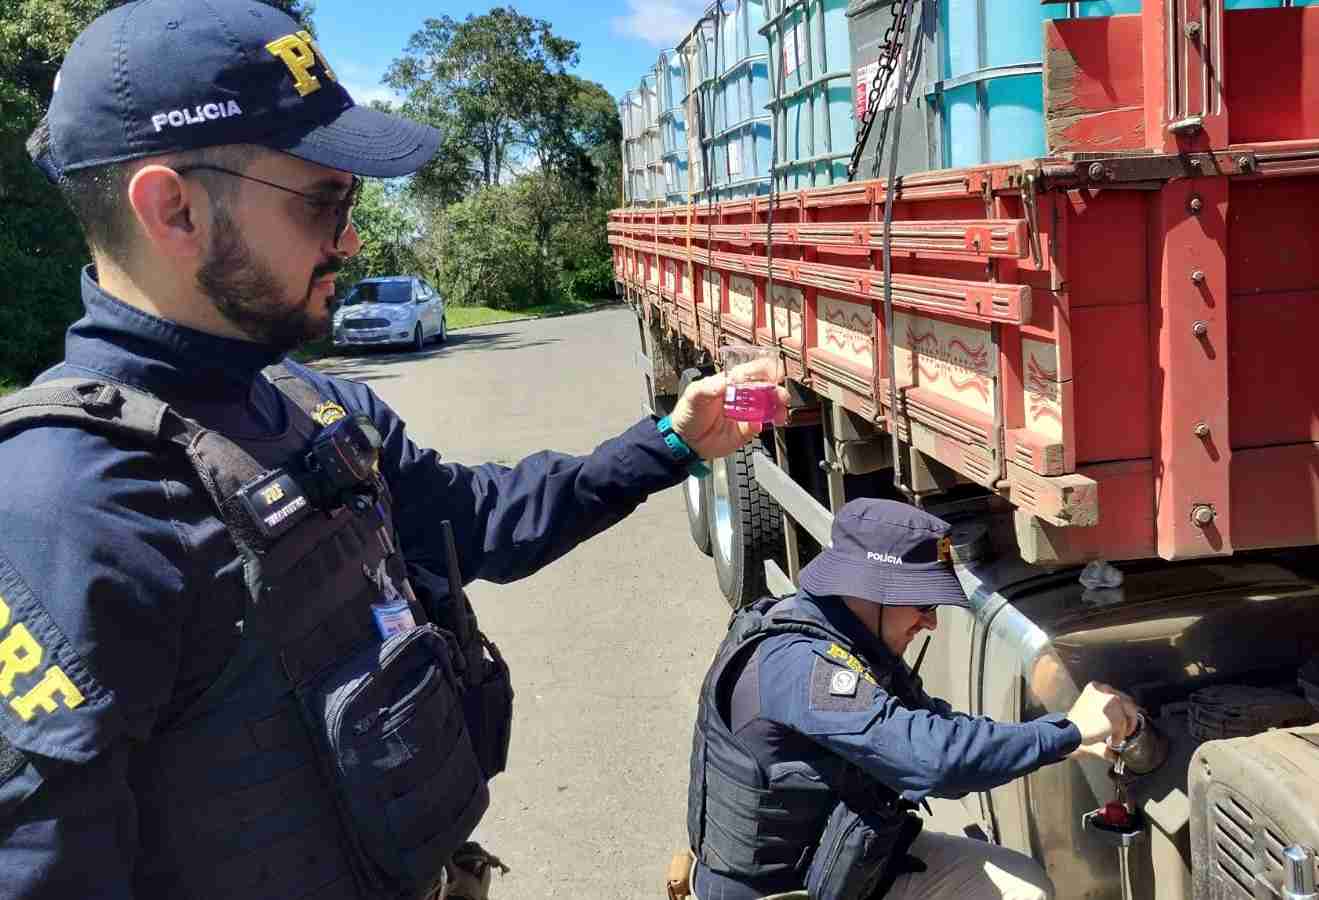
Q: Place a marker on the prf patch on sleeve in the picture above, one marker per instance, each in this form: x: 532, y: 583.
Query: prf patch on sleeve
x: 837, y: 687
x: 30, y: 682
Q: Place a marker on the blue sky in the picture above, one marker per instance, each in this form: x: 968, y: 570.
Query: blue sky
x: 618, y: 39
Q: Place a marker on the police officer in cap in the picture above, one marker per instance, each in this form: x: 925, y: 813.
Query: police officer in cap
x: 814, y: 742
x: 235, y: 659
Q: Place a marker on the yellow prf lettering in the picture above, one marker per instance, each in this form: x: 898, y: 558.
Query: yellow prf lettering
x: 272, y: 494
x: 299, y: 52
x: 54, y: 683
x: 851, y: 662
x: 19, y: 654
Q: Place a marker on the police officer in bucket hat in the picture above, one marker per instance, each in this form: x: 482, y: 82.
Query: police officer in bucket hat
x: 235, y: 657
x: 815, y: 744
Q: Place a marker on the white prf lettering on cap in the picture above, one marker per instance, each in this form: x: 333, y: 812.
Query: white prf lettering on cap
x: 211, y: 111
x: 884, y: 558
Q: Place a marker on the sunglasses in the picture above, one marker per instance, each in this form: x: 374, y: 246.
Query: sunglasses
x: 926, y: 609
x: 341, y: 207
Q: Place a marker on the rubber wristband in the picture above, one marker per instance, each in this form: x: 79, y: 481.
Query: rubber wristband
x: 680, y: 451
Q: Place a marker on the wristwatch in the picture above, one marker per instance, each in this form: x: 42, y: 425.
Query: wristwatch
x: 696, y: 467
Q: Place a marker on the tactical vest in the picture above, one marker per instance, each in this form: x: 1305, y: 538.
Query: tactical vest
x: 326, y: 760
x: 739, y: 824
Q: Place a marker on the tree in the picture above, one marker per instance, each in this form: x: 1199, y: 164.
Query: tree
x: 483, y: 250
x: 480, y: 81
x: 389, y: 226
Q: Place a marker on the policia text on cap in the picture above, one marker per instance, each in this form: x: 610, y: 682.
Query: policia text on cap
x: 232, y: 661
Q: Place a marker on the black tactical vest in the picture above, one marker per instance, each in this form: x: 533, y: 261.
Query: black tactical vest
x: 328, y: 760
x: 739, y: 823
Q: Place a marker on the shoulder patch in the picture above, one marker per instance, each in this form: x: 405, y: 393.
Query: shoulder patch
x: 50, y: 704
x: 836, y: 687
x: 846, y: 658
x: 328, y: 413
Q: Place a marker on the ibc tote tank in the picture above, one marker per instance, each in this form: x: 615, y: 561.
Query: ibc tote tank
x: 672, y: 84
x: 740, y: 144
x: 978, y: 94
x: 810, y: 74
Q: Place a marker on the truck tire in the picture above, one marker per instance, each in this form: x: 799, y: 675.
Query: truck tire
x: 746, y: 527
x: 696, y: 491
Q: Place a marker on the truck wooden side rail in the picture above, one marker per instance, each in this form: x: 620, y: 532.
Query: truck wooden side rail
x: 1116, y: 338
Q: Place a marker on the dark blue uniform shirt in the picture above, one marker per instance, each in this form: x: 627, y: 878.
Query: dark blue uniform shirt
x: 114, y: 564
x: 784, y: 710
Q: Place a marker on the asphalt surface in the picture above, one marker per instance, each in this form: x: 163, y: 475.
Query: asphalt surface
x: 608, y: 646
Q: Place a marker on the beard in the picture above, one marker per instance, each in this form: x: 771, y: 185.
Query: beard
x: 248, y: 294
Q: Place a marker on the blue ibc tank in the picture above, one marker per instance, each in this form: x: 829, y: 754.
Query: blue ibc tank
x: 672, y: 81
x: 811, y: 91
x: 727, y: 67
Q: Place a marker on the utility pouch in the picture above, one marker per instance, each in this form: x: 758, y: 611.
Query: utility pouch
x: 392, y: 735
x: 488, y: 704
x: 854, y: 853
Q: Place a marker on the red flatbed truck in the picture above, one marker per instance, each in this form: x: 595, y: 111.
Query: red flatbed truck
x: 1108, y: 353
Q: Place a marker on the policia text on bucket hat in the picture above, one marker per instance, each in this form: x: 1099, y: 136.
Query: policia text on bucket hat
x: 234, y: 657
x: 809, y: 709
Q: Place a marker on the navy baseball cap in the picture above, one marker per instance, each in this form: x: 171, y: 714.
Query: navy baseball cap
x: 886, y: 552
x: 161, y: 76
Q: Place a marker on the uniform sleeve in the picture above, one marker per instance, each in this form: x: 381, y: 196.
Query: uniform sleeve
x: 510, y: 521
x: 917, y: 752
x: 91, y: 603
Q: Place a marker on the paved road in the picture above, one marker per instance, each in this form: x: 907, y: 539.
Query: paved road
x: 608, y: 645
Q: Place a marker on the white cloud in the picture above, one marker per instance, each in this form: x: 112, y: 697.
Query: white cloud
x: 363, y: 82
x: 363, y: 94
x: 662, y: 23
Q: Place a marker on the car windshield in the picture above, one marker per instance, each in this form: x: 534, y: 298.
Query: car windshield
x: 380, y: 292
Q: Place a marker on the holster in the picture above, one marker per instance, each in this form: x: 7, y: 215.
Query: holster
x: 680, y: 875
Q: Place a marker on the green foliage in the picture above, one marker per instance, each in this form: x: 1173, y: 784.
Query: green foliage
x: 485, y: 252
x: 480, y: 81
x: 388, y: 224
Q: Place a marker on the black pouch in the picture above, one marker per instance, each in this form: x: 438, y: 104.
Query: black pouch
x: 393, y: 738
x: 855, y: 852
x: 488, y: 702
x: 488, y: 698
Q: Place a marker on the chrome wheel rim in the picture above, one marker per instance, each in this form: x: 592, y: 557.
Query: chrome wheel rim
x: 722, y: 517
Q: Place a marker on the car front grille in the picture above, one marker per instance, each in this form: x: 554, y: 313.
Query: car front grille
x: 366, y: 323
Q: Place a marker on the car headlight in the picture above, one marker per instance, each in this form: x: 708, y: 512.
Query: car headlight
x: 399, y: 315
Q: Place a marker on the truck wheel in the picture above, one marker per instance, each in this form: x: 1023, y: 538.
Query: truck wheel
x: 696, y: 494
x: 746, y: 528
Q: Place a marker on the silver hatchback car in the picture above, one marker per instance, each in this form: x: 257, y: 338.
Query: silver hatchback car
x: 397, y: 309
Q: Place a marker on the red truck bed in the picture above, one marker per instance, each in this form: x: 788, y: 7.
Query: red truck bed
x: 1115, y: 338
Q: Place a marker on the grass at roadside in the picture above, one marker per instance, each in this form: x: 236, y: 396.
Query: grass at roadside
x: 470, y: 316
x: 7, y: 387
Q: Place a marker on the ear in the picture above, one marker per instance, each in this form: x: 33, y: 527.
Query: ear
x: 171, y: 212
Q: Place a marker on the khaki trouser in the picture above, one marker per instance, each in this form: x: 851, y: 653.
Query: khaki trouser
x: 959, y: 868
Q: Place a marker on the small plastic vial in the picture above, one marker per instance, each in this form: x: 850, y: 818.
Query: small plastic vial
x: 752, y: 401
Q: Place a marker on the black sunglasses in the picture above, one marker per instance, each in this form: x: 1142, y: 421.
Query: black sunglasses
x: 343, y: 207
x: 926, y: 609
